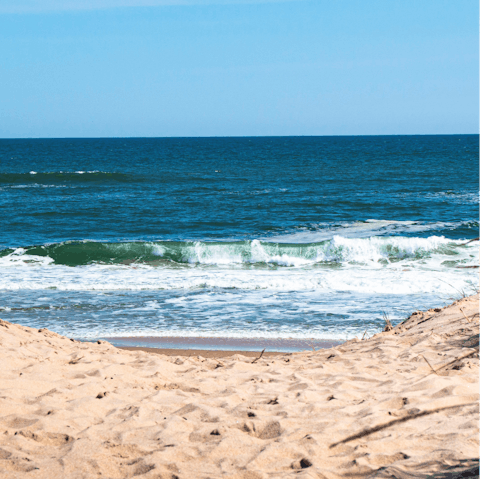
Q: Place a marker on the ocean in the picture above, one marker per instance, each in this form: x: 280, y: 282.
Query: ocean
x: 235, y: 239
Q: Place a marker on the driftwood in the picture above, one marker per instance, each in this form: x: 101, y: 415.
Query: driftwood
x: 463, y: 356
x: 461, y: 309
x: 431, y: 367
x: 368, y: 431
x: 261, y: 354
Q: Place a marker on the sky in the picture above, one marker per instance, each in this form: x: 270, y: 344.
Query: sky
x: 160, y: 68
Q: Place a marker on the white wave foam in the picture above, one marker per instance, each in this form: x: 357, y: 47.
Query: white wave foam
x: 79, y: 172
x: 454, y: 196
x: 19, y: 258
x: 317, y: 316
x: 393, y: 266
x: 378, y: 248
x: 321, y: 334
x: 361, y: 229
x: 34, y: 185
x: 397, y: 278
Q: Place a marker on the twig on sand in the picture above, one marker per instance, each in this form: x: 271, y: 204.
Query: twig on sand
x: 368, y: 431
x: 76, y: 360
x: 463, y: 356
x: 431, y: 367
x: 364, y: 334
x: 461, y: 309
x: 261, y: 354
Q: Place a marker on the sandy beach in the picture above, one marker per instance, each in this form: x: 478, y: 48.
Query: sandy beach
x: 239, y: 239
x: 403, y: 403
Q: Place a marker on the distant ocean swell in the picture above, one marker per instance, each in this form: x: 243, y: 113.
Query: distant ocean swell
x: 64, y: 176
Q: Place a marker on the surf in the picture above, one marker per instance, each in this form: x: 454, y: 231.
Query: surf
x: 337, y: 250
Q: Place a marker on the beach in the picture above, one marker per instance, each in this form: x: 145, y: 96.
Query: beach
x: 200, y: 308
x: 239, y: 239
x: 402, y: 403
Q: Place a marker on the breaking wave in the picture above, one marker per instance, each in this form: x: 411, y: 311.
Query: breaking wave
x: 335, y: 251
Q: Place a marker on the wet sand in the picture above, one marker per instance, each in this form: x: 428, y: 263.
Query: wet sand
x: 224, y: 344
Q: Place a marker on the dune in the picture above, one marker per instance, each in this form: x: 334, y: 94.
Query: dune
x: 403, y: 403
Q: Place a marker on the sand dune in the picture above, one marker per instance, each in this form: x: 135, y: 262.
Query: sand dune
x: 401, y: 404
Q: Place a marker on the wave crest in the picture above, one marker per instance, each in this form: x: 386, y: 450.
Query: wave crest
x: 338, y: 250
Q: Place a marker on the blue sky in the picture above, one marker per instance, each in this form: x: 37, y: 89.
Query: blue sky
x: 237, y: 68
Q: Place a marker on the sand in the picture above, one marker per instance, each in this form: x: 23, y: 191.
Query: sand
x: 403, y: 403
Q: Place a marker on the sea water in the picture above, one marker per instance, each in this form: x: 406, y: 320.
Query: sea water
x: 312, y: 238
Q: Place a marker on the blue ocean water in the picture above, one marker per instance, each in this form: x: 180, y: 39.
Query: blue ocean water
x: 278, y: 237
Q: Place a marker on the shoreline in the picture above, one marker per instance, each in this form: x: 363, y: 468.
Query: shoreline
x: 221, y: 345
x: 403, y: 403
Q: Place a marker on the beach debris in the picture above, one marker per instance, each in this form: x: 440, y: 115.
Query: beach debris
x: 431, y: 367
x: 76, y: 360
x: 409, y: 417
x: 463, y: 356
x: 461, y: 309
x: 261, y: 354
x: 302, y: 464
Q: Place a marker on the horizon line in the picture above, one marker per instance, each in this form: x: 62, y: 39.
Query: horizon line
x: 223, y: 136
